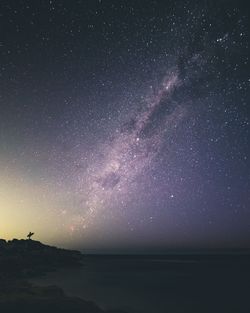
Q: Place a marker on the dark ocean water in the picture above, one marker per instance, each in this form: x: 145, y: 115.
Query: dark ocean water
x: 159, y: 284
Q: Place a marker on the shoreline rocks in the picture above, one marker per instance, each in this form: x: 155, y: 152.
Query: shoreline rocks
x: 21, y: 260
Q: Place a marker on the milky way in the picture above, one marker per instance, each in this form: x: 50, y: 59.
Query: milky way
x: 129, y: 154
x: 125, y: 124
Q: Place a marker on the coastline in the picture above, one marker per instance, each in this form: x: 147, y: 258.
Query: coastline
x: 21, y: 260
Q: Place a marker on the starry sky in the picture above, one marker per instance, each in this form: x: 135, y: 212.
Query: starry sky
x: 125, y: 124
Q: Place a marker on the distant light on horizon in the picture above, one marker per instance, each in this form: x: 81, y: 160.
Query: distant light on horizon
x: 126, y: 128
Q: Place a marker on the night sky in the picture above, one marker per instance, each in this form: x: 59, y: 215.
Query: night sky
x: 125, y: 124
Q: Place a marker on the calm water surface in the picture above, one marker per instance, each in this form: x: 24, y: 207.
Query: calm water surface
x: 158, y: 285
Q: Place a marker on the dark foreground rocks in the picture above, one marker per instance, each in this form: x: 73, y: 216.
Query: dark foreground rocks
x: 23, y: 297
x: 27, y: 258
x: 21, y: 260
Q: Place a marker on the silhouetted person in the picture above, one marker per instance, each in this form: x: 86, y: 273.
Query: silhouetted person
x: 30, y: 235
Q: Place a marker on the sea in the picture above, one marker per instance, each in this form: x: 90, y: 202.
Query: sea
x: 159, y: 284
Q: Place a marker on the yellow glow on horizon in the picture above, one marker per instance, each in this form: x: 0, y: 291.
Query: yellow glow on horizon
x: 27, y: 206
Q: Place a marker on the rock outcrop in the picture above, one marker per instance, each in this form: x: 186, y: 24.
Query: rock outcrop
x: 24, y: 259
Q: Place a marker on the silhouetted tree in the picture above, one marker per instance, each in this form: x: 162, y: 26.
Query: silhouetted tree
x: 30, y: 235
